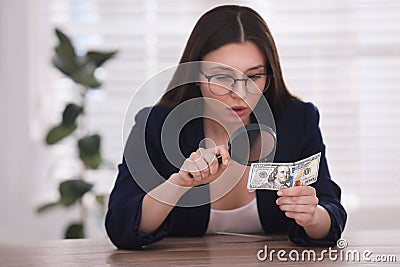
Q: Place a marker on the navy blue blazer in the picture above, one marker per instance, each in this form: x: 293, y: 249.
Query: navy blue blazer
x: 298, y: 137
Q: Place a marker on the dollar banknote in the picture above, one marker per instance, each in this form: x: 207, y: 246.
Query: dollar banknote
x: 275, y: 176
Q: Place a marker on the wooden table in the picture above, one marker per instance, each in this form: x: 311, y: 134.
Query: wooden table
x: 218, y: 250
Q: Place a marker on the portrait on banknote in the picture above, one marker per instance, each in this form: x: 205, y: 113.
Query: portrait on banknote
x: 279, y: 178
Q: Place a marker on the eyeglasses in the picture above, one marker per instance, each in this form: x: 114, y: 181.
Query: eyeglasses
x: 223, y: 84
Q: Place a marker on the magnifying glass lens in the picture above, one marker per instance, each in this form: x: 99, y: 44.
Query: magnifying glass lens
x: 253, y: 143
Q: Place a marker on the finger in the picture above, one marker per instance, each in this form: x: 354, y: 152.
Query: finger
x: 214, y: 166
x: 202, y: 162
x: 297, y: 191
x: 192, y: 167
x: 207, y: 154
x: 210, y: 156
x: 188, y: 180
x: 298, y: 200
x: 223, y: 152
x: 196, y: 174
x: 298, y: 208
x: 301, y: 218
x: 189, y: 171
x: 202, y: 165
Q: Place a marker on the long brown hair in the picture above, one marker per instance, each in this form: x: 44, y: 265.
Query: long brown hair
x: 229, y: 24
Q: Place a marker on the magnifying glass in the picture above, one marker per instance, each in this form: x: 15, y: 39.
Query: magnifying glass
x: 252, y: 143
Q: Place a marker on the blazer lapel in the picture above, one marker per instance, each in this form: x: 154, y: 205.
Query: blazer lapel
x: 191, y: 135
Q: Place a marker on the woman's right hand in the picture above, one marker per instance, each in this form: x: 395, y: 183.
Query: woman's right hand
x: 203, y: 166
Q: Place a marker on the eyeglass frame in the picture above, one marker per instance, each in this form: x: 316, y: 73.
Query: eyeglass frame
x: 235, y: 80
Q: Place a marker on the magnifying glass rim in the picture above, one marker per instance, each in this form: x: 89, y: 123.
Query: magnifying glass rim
x: 252, y: 127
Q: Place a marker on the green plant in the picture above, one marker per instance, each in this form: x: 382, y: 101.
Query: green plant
x: 81, y: 69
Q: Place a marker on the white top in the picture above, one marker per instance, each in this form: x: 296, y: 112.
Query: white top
x: 243, y: 220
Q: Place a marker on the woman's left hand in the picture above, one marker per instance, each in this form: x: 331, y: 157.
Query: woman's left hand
x: 299, y: 203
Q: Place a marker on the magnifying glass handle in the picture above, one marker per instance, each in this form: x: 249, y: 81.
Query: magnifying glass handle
x: 219, y: 162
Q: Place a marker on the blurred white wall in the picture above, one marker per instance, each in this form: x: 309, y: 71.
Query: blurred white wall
x: 14, y: 136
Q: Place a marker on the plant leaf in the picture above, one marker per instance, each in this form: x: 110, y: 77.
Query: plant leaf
x: 71, y: 112
x: 74, y: 230
x: 47, y: 206
x: 98, y: 58
x: 100, y: 199
x: 73, y: 190
x: 90, y: 144
x: 65, y: 58
x: 85, y: 75
x: 57, y: 62
x: 59, y: 132
x: 89, y: 151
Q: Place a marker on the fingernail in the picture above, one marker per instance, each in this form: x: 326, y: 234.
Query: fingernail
x: 226, y: 162
x: 279, y: 193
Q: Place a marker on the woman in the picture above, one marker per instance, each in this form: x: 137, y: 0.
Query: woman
x: 240, y: 44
